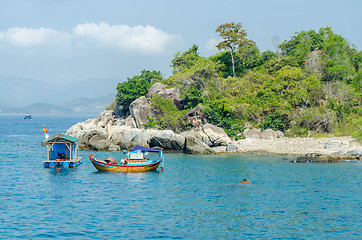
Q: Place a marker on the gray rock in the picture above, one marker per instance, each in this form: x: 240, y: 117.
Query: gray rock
x: 355, y: 153
x: 114, y: 148
x: 309, y: 157
x: 167, y: 139
x: 99, y: 142
x: 195, y: 146
x: 279, y: 133
x: 164, y: 92
x: 125, y: 136
x: 195, y: 117
x: 268, y: 134
x: 129, y: 121
x: 85, y: 138
x: 332, y: 145
x: 252, y: 133
x: 214, y: 136
x: 140, y: 111
x: 231, y: 147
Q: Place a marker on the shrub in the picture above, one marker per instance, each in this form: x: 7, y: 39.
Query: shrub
x: 296, y: 131
x: 167, y: 114
x: 358, y: 125
x: 276, y: 121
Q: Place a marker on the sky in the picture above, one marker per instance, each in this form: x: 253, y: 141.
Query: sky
x: 70, y: 40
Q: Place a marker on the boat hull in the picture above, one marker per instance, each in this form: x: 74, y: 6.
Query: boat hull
x: 102, y: 166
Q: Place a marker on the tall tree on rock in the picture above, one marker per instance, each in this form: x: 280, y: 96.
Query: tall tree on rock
x: 234, y: 37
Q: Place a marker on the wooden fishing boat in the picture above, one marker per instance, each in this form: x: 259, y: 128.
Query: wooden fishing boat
x: 136, y: 160
x: 62, y: 152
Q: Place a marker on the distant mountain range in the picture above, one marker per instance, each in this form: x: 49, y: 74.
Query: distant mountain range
x: 20, y: 95
x: 80, y: 106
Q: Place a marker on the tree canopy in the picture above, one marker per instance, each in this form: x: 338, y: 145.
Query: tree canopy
x: 134, y: 88
x: 313, y: 85
x: 234, y: 38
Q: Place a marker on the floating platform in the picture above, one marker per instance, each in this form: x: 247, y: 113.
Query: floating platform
x: 65, y: 163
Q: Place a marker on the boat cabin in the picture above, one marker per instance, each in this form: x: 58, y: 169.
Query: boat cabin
x: 28, y: 117
x: 63, y: 152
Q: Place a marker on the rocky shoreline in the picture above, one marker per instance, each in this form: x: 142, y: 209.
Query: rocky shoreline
x: 109, y: 133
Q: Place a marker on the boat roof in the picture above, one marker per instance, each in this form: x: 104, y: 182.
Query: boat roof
x: 65, y: 137
x: 144, y: 149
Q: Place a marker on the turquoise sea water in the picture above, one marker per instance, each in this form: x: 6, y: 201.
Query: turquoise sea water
x: 196, y: 197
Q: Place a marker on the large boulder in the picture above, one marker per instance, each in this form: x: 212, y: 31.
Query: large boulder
x: 164, y: 92
x: 209, y: 134
x: 195, y: 117
x: 252, y: 133
x: 195, y: 146
x: 167, y: 139
x: 99, y: 142
x: 268, y: 134
x: 114, y: 148
x: 124, y: 136
x: 231, y: 147
x: 214, y: 136
x: 140, y: 111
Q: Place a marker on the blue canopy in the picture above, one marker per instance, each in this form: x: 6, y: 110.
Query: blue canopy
x: 144, y: 149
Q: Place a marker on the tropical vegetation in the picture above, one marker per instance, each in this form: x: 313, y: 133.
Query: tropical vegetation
x: 311, y: 86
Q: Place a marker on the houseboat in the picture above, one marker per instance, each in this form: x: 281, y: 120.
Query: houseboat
x: 62, y: 152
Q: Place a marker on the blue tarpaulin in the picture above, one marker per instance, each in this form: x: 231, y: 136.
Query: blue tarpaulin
x: 144, y: 149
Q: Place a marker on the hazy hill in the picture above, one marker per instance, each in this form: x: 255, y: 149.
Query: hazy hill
x: 20, y: 92
x: 89, y: 105
x: 39, y: 109
x: 79, y: 106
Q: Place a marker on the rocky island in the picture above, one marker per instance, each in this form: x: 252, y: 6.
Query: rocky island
x: 242, y: 100
x: 108, y: 132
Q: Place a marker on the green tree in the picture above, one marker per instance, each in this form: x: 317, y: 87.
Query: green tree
x: 302, y: 44
x: 186, y: 59
x: 234, y: 37
x: 134, y: 88
x: 338, y: 59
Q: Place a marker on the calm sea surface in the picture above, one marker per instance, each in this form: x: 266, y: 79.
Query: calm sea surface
x: 196, y: 197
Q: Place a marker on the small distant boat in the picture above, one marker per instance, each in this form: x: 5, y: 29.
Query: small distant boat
x: 136, y: 160
x: 28, y: 117
x: 62, y: 152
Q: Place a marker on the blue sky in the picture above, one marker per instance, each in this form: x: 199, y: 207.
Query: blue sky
x: 72, y: 40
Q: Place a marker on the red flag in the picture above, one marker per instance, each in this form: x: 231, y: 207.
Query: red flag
x: 45, y: 130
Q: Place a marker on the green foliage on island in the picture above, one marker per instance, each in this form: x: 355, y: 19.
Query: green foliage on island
x: 310, y: 86
x: 134, y: 88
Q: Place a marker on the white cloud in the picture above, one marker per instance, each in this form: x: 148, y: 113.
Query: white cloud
x: 29, y: 37
x: 145, y: 40
x: 211, y: 44
x: 140, y: 39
